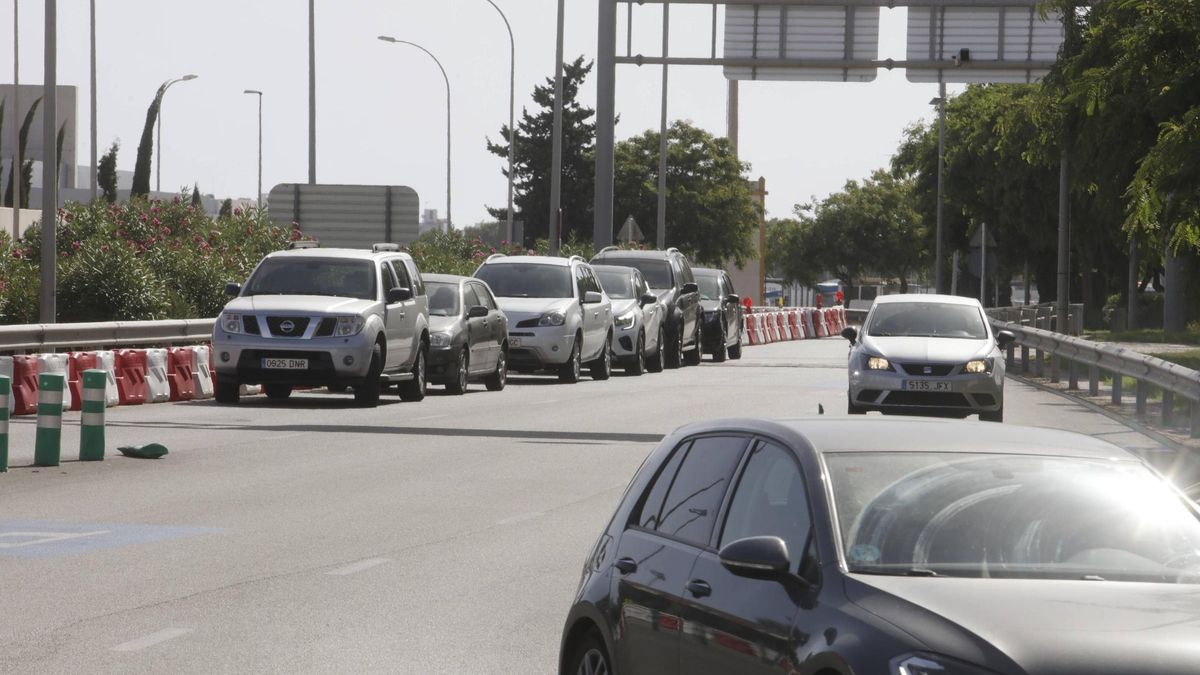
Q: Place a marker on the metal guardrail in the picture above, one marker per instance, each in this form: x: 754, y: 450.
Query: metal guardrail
x: 66, y: 336
x: 1067, y: 352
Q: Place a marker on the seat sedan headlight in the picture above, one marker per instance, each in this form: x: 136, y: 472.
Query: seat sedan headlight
x: 625, y: 321
x: 978, y: 367
x: 920, y: 663
x: 440, y: 340
x: 878, y: 363
x: 349, y: 325
x: 552, y: 319
x: 231, y: 323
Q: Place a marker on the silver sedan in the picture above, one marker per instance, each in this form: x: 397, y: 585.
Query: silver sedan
x: 927, y: 354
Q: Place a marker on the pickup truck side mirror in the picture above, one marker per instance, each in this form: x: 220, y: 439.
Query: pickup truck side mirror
x: 399, y: 294
x: 592, y: 297
x: 477, y: 312
x: 233, y: 290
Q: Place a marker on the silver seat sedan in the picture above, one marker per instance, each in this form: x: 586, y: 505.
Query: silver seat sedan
x: 927, y: 355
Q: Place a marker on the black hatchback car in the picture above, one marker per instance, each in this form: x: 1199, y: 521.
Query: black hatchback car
x: 889, y: 547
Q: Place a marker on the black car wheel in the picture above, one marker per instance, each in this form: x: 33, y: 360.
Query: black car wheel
x: 569, y: 372
x: 590, y: 658
x: 993, y: 416
x: 367, y: 394
x: 228, y: 392
x: 499, y: 377
x: 655, y: 363
x: 638, y: 366
x: 459, y: 385
x: 694, y: 357
x: 602, y: 367
x: 719, y: 353
x: 414, y: 389
x: 278, y: 392
x: 675, y: 355
x: 735, y: 351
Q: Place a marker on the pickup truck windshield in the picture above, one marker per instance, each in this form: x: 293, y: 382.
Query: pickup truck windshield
x: 314, y: 276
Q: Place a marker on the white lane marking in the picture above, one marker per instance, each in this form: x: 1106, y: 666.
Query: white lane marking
x: 358, y: 566
x: 45, y: 537
x: 428, y: 417
x: 521, y: 518
x: 151, y: 639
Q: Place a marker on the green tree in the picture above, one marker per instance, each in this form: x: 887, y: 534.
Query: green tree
x: 26, y: 175
x: 106, y: 174
x: 533, y: 159
x: 710, y: 213
x: 145, y: 151
x: 226, y: 210
x: 196, y: 195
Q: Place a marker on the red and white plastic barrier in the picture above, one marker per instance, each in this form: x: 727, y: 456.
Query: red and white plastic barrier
x: 158, y: 388
x: 58, y: 364
x: 6, y: 370
x: 202, y: 377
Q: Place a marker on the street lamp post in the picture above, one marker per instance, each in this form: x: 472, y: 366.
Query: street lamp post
x: 258, y: 195
x: 385, y: 38
x: 512, y: 107
x: 940, y: 102
x: 158, y: 143
x: 93, y: 177
x: 556, y: 145
x: 15, y: 170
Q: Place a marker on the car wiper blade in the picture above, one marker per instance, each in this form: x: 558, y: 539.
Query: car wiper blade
x: 899, y: 571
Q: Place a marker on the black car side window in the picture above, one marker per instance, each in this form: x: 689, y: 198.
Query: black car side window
x: 771, y: 500
x: 647, y: 514
x: 690, y: 508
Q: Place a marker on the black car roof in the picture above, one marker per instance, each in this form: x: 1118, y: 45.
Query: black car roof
x: 871, y: 435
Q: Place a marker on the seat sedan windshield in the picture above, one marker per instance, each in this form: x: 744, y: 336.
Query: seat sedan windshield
x: 656, y: 272
x: 314, y: 276
x: 927, y: 319
x: 443, y: 298
x: 527, y: 280
x: 618, y: 285
x: 1010, y: 516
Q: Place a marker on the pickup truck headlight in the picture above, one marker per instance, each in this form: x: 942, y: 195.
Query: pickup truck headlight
x: 552, y: 319
x: 978, y: 367
x: 439, y: 340
x: 231, y: 323
x: 349, y: 325
x: 878, y: 363
x: 625, y: 321
x: 933, y: 664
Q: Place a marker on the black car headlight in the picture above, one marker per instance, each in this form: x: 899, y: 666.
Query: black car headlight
x: 923, y: 663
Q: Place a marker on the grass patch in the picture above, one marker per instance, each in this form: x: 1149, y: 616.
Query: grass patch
x: 1189, y: 359
x: 1149, y: 335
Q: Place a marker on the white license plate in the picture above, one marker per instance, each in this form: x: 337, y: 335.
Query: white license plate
x: 927, y: 385
x: 285, y: 364
x: 514, y: 342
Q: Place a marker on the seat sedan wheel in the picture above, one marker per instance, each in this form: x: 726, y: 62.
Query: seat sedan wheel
x: 499, y: 377
x: 459, y: 385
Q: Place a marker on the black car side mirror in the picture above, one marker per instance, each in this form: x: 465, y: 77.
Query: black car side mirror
x: 399, y: 294
x: 733, y: 298
x: 850, y: 334
x: 1005, y: 338
x: 477, y: 312
x: 690, y: 287
x: 756, y: 557
x: 233, y: 290
x: 647, y: 299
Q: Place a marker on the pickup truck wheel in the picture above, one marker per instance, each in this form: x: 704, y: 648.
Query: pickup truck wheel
x: 278, y: 392
x: 337, y: 388
x: 459, y: 385
x: 414, y: 389
x: 367, y: 394
x: 228, y: 392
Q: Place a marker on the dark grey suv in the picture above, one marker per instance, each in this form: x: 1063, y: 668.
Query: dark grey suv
x: 886, y: 547
x: 670, y: 276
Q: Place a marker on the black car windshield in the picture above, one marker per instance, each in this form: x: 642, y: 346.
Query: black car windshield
x: 656, y: 272
x: 618, y: 285
x: 527, y: 280
x: 1011, y: 516
x: 710, y: 289
x: 926, y: 319
x: 443, y: 298
x: 314, y: 276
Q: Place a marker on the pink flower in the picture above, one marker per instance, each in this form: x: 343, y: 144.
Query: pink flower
x: 16, y: 253
x: 104, y: 248
x: 76, y: 245
x: 62, y: 254
x: 237, y: 212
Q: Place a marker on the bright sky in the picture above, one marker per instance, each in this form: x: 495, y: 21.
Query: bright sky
x: 380, y: 107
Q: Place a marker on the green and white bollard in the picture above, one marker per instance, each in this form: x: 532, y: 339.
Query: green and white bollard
x: 5, y: 392
x: 47, y: 447
x: 91, y: 430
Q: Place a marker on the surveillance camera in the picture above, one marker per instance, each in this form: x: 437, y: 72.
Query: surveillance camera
x: 963, y: 56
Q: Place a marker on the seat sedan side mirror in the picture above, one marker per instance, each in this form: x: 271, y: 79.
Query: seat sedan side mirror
x: 647, y: 299
x: 850, y: 334
x: 1005, y: 338
x: 690, y: 287
x: 399, y: 295
x: 756, y: 557
x: 233, y: 290
x: 477, y: 312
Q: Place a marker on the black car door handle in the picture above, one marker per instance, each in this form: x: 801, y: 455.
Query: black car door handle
x: 626, y: 565
x: 699, y: 588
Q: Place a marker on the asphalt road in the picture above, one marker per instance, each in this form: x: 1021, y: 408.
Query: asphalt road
x: 311, y: 536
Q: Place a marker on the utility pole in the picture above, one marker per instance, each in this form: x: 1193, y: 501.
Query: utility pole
x: 49, y: 292
x: 1064, y: 244
x: 939, y: 249
x: 95, y: 151
x: 312, y: 93
x: 662, y: 133
x: 15, y: 171
x: 556, y: 156
x: 606, y: 93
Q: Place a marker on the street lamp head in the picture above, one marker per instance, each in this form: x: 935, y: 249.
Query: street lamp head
x: 185, y: 78
x: 937, y: 100
x: 252, y: 91
x: 388, y: 38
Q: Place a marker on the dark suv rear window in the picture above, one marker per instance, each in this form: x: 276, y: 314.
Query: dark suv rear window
x: 656, y: 272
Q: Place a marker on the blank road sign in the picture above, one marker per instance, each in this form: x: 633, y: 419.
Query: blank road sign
x: 792, y: 32
x: 348, y: 216
x: 996, y: 37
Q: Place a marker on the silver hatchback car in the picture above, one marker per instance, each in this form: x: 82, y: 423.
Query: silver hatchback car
x: 927, y: 354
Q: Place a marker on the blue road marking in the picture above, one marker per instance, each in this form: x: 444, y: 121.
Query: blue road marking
x: 52, y: 539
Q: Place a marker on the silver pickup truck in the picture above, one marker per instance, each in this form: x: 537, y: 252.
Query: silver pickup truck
x: 338, y: 318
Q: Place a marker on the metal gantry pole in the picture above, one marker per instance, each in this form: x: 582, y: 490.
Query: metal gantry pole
x: 258, y: 195
x: 662, y: 133
x: 1064, y: 211
x: 94, y: 175
x: 15, y: 171
x: 606, y: 93
x: 48, y: 291
x: 312, y: 93
x: 939, y: 247
x: 512, y: 112
x: 556, y: 152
